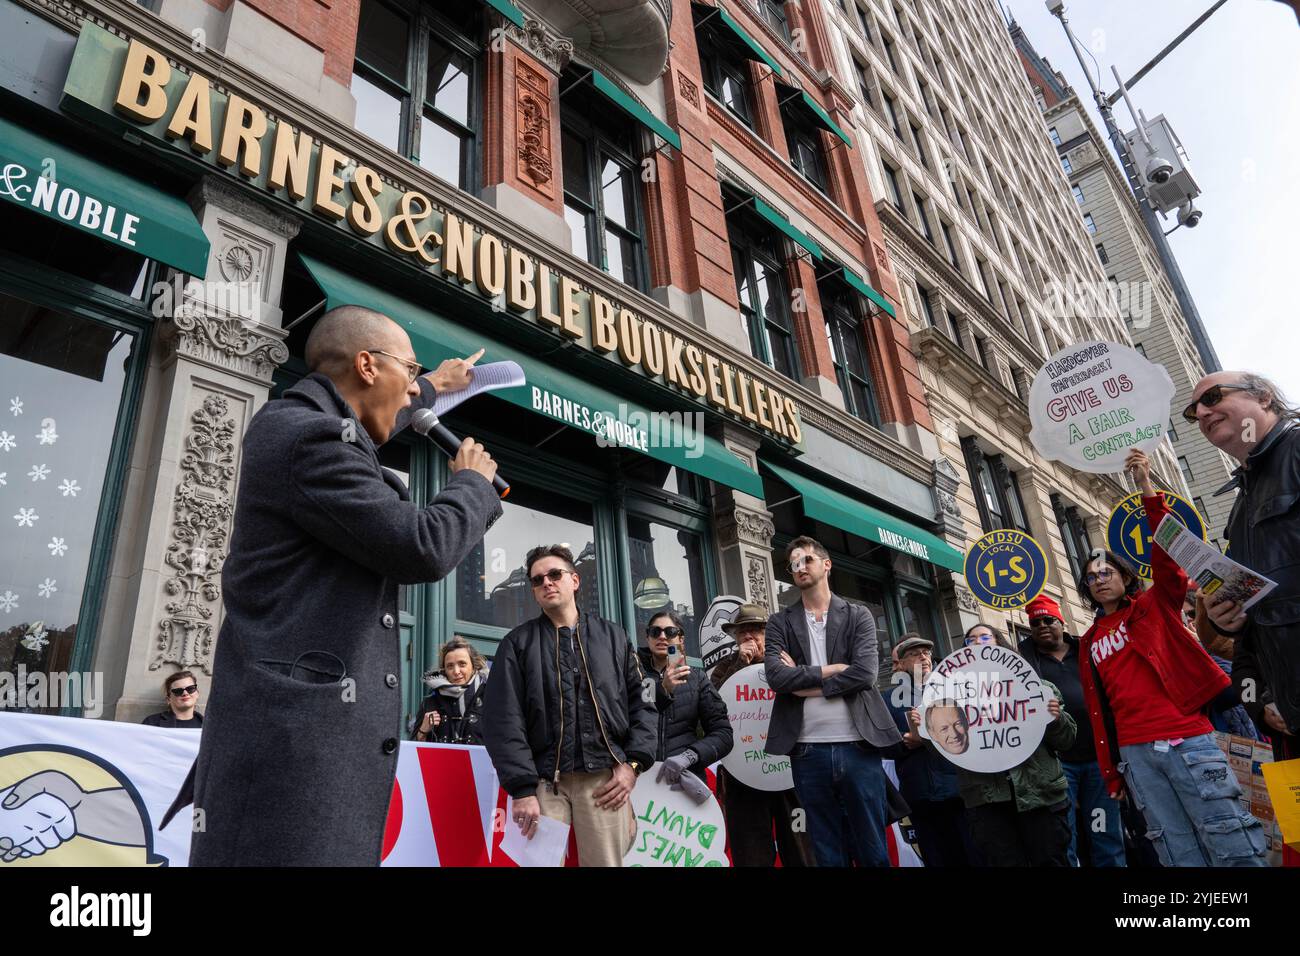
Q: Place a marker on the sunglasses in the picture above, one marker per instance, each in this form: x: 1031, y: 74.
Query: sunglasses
x: 799, y: 564
x: 185, y: 691
x: 1209, y: 398
x: 1092, y: 577
x: 552, y: 575
x: 1042, y: 621
x: 668, y: 632
x: 981, y: 639
x: 412, y: 368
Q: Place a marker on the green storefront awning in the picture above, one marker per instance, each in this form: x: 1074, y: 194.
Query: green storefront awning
x: 68, y: 186
x: 784, y: 225
x: 848, y: 514
x: 551, y: 391
x: 509, y: 11
x: 860, y: 284
x: 747, y: 45
x: 634, y: 109
x: 802, y: 101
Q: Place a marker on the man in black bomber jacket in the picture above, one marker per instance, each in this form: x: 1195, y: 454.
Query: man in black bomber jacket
x: 569, y: 716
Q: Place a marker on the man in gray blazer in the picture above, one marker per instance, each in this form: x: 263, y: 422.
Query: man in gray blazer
x: 821, y: 659
x: 299, y: 747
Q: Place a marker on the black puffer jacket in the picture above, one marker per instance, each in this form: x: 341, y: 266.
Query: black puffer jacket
x: 522, y: 710
x: 692, y: 717
x: 453, y: 726
x: 1264, y: 534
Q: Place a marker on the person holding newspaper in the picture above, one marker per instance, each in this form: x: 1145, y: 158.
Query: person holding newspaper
x: 1146, y: 679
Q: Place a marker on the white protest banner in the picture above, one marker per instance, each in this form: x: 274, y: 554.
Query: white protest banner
x: 673, y: 830
x: 985, y: 708
x: 715, y: 643
x: 749, y: 702
x: 1093, y: 402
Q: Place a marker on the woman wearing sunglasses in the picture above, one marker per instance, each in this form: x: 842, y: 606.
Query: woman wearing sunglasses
x: 181, y: 691
x: 694, y: 730
x: 1147, y: 682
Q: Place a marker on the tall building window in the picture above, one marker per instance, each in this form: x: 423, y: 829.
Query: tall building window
x: 920, y: 146
x: 417, y: 80
x: 996, y: 491
x: 1065, y: 164
x: 1078, y: 193
x: 1199, y: 503
x: 891, y: 111
x: 1074, y: 535
x: 1173, y: 432
x: 889, y: 52
x: 1089, y: 224
x: 725, y: 75
x: 764, y: 298
x: 922, y: 219
x: 948, y: 243
x: 1101, y: 253
x: 1056, y: 137
x: 1186, y: 470
x: 891, y: 186
x: 805, y: 145
x: 864, y: 22
x: 844, y: 334
x: 774, y: 14
x: 864, y: 84
x: 602, y: 194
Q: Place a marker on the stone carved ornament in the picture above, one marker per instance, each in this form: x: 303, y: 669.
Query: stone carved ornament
x: 202, y: 510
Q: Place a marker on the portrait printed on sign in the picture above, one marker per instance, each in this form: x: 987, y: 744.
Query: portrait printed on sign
x: 749, y: 702
x: 984, y: 708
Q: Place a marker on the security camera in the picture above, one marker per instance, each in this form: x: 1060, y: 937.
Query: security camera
x: 1159, y: 170
x: 1188, y: 215
x: 1056, y: 7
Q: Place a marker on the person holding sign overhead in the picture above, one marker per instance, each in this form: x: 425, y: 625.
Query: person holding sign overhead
x: 1146, y: 680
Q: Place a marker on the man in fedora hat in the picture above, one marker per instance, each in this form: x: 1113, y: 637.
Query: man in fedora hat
x: 751, y: 813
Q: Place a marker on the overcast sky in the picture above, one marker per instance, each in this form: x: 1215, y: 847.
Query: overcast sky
x: 1231, y: 91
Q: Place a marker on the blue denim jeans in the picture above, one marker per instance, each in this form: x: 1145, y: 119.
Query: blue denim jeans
x: 1088, y: 792
x: 841, y: 788
x: 1188, y: 794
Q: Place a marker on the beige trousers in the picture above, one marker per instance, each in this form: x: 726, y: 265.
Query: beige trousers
x: 604, y: 837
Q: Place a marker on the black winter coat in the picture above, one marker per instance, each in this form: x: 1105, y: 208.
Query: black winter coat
x: 1263, y: 533
x: 692, y: 717
x: 523, y: 716
x: 453, y: 726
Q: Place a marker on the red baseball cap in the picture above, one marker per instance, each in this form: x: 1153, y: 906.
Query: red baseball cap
x: 1043, y: 605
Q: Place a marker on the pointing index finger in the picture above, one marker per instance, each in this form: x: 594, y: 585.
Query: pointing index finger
x: 475, y: 357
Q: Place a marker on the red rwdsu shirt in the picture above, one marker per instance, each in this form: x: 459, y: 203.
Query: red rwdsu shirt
x: 1142, y: 708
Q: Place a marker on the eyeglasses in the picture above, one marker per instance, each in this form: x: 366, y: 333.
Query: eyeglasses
x: 552, y: 575
x: 980, y: 639
x: 1209, y: 398
x: 412, y: 368
x: 799, y: 564
x: 1092, y: 577
x: 185, y: 691
x: 669, y: 632
x: 1042, y: 621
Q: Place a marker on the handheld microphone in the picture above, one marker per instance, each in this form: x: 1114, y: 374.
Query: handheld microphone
x: 426, y: 423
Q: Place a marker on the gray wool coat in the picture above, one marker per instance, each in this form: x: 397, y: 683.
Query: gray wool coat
x: 301, y: 731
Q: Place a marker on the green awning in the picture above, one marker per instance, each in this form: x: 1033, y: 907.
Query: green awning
x: 749, y: 47
x: 551, y: 391
x: 783, y: 224
x: 509, y: 11
x: 68, y: 186
x: 634, y: 109
x: 813, y: 110
x: 860, y: 284
x: 848, y: 514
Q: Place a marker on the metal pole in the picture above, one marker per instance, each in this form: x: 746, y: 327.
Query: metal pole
x: 1165, y: 52
x: 1204, y: 348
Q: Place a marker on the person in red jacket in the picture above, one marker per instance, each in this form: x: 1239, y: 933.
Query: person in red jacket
x: 1146, y: 681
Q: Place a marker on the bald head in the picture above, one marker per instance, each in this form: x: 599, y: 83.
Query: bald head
x: 343, y: 332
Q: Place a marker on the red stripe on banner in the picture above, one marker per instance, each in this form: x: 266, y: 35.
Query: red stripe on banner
x: 450, y: 790
x: 393, y: 826
x: 498, y: 833
x: 892, y: 841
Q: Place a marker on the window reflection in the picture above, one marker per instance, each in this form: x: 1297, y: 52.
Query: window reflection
x: 667, y: 574
x: 379, y: 113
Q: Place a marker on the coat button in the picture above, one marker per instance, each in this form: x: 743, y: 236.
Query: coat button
x: 386, y: 620
x: 390, y: 745
x: 391, y: 680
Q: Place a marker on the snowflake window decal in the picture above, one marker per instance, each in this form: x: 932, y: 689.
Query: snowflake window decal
x: 27, y: 517
x: 47, y: 436
x: 47, y: 587
x: 16, y: 406
x: 69, y: 487
x: 8, y: 601
x: 38, y: 473
x: 57, y: 548
x: 8, y: 441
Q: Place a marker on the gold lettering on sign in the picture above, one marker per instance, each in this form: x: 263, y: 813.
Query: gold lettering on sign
x: 546, y: 297
x: 363, y: 214
x: 694, y: 358
x: 743, y: 383
x: 458, y: 248
x: 729, y: 384
x: 673, y: 346
x: 778, y: 412
x: 715, y: 382
x: 653, y: 356
x: 760, y: 401
x: 241, y: 136
x: 795, y: 434
x: 604, y: 336
x: 491, y: 265
x: 291, y: 162
x: 328, y: 182
x: 144, y: 75
x: 523, y: 294
x: 570, y: 308
x: 629, y: 337
x: 192, y: 118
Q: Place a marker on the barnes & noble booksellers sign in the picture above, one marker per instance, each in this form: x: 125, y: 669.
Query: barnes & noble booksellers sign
x: 111, y: 76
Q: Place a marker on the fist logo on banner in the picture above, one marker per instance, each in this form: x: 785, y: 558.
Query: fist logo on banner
x: 1093, y: 402
x: 1006, y: 569
x: 1128, y: 533
x: 985, y: 708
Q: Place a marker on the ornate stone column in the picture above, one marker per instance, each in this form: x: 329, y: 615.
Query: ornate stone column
x: 743, y: 530
x: 214, y: 350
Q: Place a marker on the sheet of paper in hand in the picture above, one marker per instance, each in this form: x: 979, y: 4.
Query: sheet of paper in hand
x: 749, y: 702
x: 985, y: 708
x: 1093, y: 402
x: 674, y: 830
